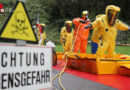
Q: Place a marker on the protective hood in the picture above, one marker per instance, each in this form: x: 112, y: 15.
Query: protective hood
x: 68, y: 25
x: 111, y: 14
x: 42, y: 28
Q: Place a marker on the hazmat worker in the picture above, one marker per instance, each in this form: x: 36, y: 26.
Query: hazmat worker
x: 66, y: 37
x: 81, y: 34
x: 95, y: 37
x: 108, y: 24
x: 41, y: 34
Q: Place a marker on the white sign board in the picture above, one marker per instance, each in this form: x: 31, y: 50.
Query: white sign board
x: 25, y: 67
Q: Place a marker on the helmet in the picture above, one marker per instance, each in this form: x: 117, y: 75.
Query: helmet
x: 85, y: 15
x: 68, y: 25
x: 112, y: 13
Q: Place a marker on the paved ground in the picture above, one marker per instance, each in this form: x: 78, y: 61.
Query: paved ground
x: 71, y: 82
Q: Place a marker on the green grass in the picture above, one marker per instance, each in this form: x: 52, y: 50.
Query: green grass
x: 118, y: 49
x: 123, y: 50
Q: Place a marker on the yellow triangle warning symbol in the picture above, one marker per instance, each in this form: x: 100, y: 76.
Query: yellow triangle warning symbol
x: 18, y: 26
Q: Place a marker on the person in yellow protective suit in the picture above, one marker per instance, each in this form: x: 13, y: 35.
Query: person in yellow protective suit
x: 41, y: 34
x: 66, y: 37
x: 95, y: 37
x: 108, y: 25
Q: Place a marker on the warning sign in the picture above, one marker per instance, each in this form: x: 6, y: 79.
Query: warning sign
x: 18, y: 25
x: 25, y: 68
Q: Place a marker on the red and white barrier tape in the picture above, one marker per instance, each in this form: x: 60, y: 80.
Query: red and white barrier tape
x: 122, y: 44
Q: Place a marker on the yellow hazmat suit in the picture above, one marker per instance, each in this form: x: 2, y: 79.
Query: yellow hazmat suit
x: 41, y: 34
x: 107, y: 27
x: 66, y: 37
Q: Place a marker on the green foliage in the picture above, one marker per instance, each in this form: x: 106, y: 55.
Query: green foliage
x: 53, y: 35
